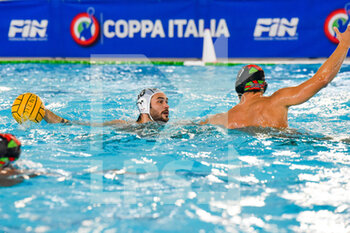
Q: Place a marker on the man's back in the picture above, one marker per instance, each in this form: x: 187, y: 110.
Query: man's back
x: 253, y: 110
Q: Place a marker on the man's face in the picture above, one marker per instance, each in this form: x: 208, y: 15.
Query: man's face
x: 159, y: 107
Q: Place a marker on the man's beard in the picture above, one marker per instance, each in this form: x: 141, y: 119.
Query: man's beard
x: 159, y: 117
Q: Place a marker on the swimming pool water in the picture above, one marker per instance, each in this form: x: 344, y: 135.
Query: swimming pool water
x: 178, y: 177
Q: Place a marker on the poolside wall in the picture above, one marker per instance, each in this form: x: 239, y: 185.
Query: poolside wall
x: 169, y: 28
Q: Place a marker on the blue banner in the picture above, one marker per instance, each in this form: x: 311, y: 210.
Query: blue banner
x: 170, y: 29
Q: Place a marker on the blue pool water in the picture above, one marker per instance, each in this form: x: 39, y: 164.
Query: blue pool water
x: 178, y: 177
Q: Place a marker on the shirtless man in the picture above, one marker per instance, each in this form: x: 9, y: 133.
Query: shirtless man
x: 10, y: 150
x: 254, y: 109
x: 151, y: 102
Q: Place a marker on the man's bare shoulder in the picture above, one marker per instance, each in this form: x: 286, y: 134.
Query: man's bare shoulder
x: 278, y: 97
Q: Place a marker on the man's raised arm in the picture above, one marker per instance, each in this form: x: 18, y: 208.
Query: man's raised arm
x: 297, y: 95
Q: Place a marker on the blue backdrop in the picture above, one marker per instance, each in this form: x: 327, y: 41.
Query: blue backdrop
x: 169, y: 28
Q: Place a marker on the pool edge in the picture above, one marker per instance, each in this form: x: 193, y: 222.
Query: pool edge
x: 162, y: 61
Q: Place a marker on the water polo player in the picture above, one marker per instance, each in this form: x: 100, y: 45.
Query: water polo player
x: 151, y: 102
x: 10, y: 150
x: 254, y: 109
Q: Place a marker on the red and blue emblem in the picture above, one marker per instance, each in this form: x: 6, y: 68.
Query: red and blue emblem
x: 339, y: 19
x: 85, y: 29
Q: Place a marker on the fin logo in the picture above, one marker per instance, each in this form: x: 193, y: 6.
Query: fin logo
x: 276, y: 29
x: 31, y: 30
x: 338, y: 18
x: 84, y: 28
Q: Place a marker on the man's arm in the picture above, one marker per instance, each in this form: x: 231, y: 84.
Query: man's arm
x: 114, y: 122
x: 51, y: 117
x: 297, y: 95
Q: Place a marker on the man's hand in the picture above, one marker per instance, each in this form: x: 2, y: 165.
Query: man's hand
x: 344, y: 38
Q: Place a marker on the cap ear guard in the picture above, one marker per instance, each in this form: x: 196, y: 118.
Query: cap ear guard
x: 142, y: 105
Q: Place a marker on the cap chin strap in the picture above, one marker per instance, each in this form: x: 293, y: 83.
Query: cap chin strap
x: 149, y: 114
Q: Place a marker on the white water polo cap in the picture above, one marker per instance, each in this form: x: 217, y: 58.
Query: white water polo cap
x: 144, y: 99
